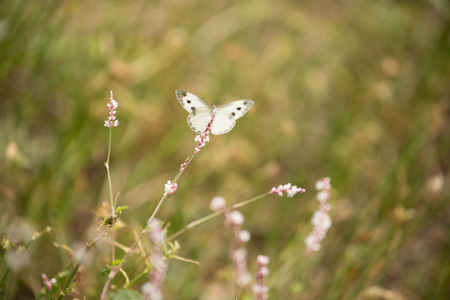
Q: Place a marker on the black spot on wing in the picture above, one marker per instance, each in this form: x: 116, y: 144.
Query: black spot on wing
x: 189, y: 101
x: 233, y: 113
x: 239, y: 108
x: 181, y: 93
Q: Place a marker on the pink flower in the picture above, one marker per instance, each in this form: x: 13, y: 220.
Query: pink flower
x: 261, y: 291
x: 203, y: 138
x: 112, y: 105
x: 321, y: 220
x: 152, y: 290
x: 238, y: 253
x: 239, y: 257
x: 235, y: 217
x: 170, y: 188
x: 244, y: 236
x: 263, y: 260
x: 183, y: 165
x: 217, y: 203
x: 288, y: 189
x: 48, y: 282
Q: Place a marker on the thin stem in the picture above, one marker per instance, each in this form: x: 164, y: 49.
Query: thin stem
x: 192, y: 225
x: 297, y: 276
x: 2, y: 282
x: 113, y: 272
x: 137, y: 278
x: 65, y: 289
x: 157, y: 207
x: 88, y: 247
x: 213, y: 215
x: 111, y: 199
x: 243, y: 203
x: 182, y: 170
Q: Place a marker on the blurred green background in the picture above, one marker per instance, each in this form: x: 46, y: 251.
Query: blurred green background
x: 355, y: 90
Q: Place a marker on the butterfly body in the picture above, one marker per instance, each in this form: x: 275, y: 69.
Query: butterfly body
x: 200, y: 113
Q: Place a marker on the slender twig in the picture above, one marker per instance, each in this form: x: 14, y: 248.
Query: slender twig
x: 137, y: 278
x: 114, y: 271
x: 65, y: 290
x: 213, y: 215
x: 296, y: 277
x: 111, y: 199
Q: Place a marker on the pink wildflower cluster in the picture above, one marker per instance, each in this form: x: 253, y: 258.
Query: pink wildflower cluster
x: 238, y: 253
x: 203, y: 138
x: 170, y: 188
x: 152, y: 290
x: 112, y: 105
x: 321, y: 220
x: 48, y: 282
x: 261, y: 291
x: 183, y: 165
x: 289, y: 189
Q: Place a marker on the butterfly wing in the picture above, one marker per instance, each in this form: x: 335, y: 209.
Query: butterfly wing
x: 198, y: 109
x: 223, y: 122
x: 190, y: 102
x: 237, y: 108
x: 227, y: 115
x: 199, y: 119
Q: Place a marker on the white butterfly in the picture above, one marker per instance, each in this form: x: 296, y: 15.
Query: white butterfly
x: 200, y: 113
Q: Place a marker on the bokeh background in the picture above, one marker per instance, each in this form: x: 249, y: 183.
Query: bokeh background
x: 355, y: 90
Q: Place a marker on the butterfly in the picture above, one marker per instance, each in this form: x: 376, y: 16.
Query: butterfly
x: 200, y: 113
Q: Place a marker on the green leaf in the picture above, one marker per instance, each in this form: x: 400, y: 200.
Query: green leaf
x: 105, y: 271
x: 120, y: 208
x: 123, y: 294
x: 116, y: 262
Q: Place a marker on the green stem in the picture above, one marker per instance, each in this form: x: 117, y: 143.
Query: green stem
x: 2, y: 282
x: 88, y: 247
x: 65, y: 289
x: 111, y: 199
x: 137, y: 278
x: 213, y: 215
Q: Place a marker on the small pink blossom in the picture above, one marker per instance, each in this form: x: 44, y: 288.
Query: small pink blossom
x: 170, y: 188
x: 237, y: 253
x: 48, y: 282
x: 264, y: 271
x: 321, y: 219
x: 203, y: 138
x: 156, y: 234
x: 323, y: 184
x: 112, y: 105
x: 244, y: 236
x: 263, y: 260
x: 235, y: 218
x: 239, y: 257
x: 217, y: 203
x: 261, y: 291
x: 289, y: 189
x: 152, y: 290
x: 183, y: 165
